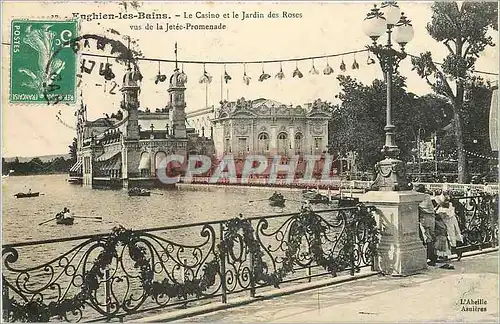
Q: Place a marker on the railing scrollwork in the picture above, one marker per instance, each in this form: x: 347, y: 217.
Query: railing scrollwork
x: 478, y: 221
x: 129, y: 272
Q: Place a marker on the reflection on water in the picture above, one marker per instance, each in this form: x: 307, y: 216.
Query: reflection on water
x: 163, y: 208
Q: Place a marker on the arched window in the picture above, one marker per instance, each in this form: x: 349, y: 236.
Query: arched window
x: 298, y: 143
x: 263, y: 142
x: 283, y: 143
x: 160, y: 156
x: 145, y: 164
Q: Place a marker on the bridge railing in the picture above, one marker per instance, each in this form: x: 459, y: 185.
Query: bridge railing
x: 477, y: 217
x: 128, y: 272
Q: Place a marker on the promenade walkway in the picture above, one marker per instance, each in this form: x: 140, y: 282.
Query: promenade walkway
x: 433, y: 295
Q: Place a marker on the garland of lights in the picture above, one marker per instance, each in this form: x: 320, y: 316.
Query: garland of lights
x: 476, y: 155
x: 64, y: 123
x: 106, y: 71
x: 369, y: 60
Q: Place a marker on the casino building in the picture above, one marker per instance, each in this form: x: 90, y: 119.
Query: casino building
x: 268, y: 128
x: 265, y: 127
x: 126, y: 149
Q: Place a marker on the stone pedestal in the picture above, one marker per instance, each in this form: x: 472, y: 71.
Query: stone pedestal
x: 400, y: 251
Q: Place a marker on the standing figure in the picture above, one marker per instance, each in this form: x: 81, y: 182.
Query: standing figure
x: 444, y: 214
x: 449, y: 217
x: 427, y: 220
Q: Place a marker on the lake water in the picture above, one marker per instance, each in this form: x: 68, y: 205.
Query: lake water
x: 187, y: 204
x: 184, y: 205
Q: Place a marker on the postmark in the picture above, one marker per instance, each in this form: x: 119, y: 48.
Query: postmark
x: 89, y: 63
x: 33, y: 69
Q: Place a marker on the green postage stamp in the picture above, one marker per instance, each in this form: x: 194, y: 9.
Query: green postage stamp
x: 42, y: 62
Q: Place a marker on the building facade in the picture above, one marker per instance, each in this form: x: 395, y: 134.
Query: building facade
x: 270, y: 128
x: 127, y: 149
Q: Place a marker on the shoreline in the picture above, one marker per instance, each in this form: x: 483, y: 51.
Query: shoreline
x: 345, y: 192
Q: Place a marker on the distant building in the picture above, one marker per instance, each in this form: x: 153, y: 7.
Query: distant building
x: 201, y: 119
x: 267, y: 127
x: 126, y: 150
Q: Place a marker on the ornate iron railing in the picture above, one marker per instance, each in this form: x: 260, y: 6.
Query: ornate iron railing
x: 110, y: 276
x: 477, y: 217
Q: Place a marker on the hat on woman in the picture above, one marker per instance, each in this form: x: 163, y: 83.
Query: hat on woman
x: 440, y: 199
x: 420, y: 188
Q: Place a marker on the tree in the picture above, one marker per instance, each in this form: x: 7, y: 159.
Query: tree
x: 476, y: 140
x: 355, y: 126
x: 358, y: 123
x: 72, y: 150
x: 464, y: 33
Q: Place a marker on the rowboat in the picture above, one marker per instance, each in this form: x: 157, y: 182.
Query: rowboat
x: 319, y: 199
x: 75, y: 181
x: 65, y: 221
x: 139, y: 193
x: 277, y: 202
x: 27, y: 195
x: 309, y: 193
x: 315, y: 197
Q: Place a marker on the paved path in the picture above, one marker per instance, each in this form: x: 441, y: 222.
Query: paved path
x: 433, y: 295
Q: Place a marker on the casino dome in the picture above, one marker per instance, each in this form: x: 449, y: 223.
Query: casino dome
x: 178, y: 79
x: 132, y: 78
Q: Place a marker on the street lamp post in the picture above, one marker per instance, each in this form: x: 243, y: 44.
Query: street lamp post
x: 419, y: 148
x: 388, y: 19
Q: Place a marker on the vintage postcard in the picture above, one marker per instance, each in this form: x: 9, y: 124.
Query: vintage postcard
x: 332, y: 161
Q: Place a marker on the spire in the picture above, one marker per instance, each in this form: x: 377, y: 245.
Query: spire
x: 175, y: 51
x: 129, y: 53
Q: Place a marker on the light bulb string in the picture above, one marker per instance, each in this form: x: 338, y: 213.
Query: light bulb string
x: 478, y: 155
x: 231, y: 62
x: 257, y: 61
x: 475, y: 71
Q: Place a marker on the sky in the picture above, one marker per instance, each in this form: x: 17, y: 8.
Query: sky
x: 323, y: 29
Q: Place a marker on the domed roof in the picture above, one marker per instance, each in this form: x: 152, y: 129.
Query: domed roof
x: 178, y: 79
x: 132, y: 78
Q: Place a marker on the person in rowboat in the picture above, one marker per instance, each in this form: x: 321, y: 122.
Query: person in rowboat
x: 277, y: 196
x: 64, y: 214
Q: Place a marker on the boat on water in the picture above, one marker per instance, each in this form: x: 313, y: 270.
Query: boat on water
x: 65, y: 221
x: 320, y: 199
x: 75, y: 181
x: 65, y: 217
x: 277, y: 200
x: 27, y: 195
x: 139, y: 192
x: 309, y: 194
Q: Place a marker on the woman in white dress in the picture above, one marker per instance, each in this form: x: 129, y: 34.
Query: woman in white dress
x: 447, y: 226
